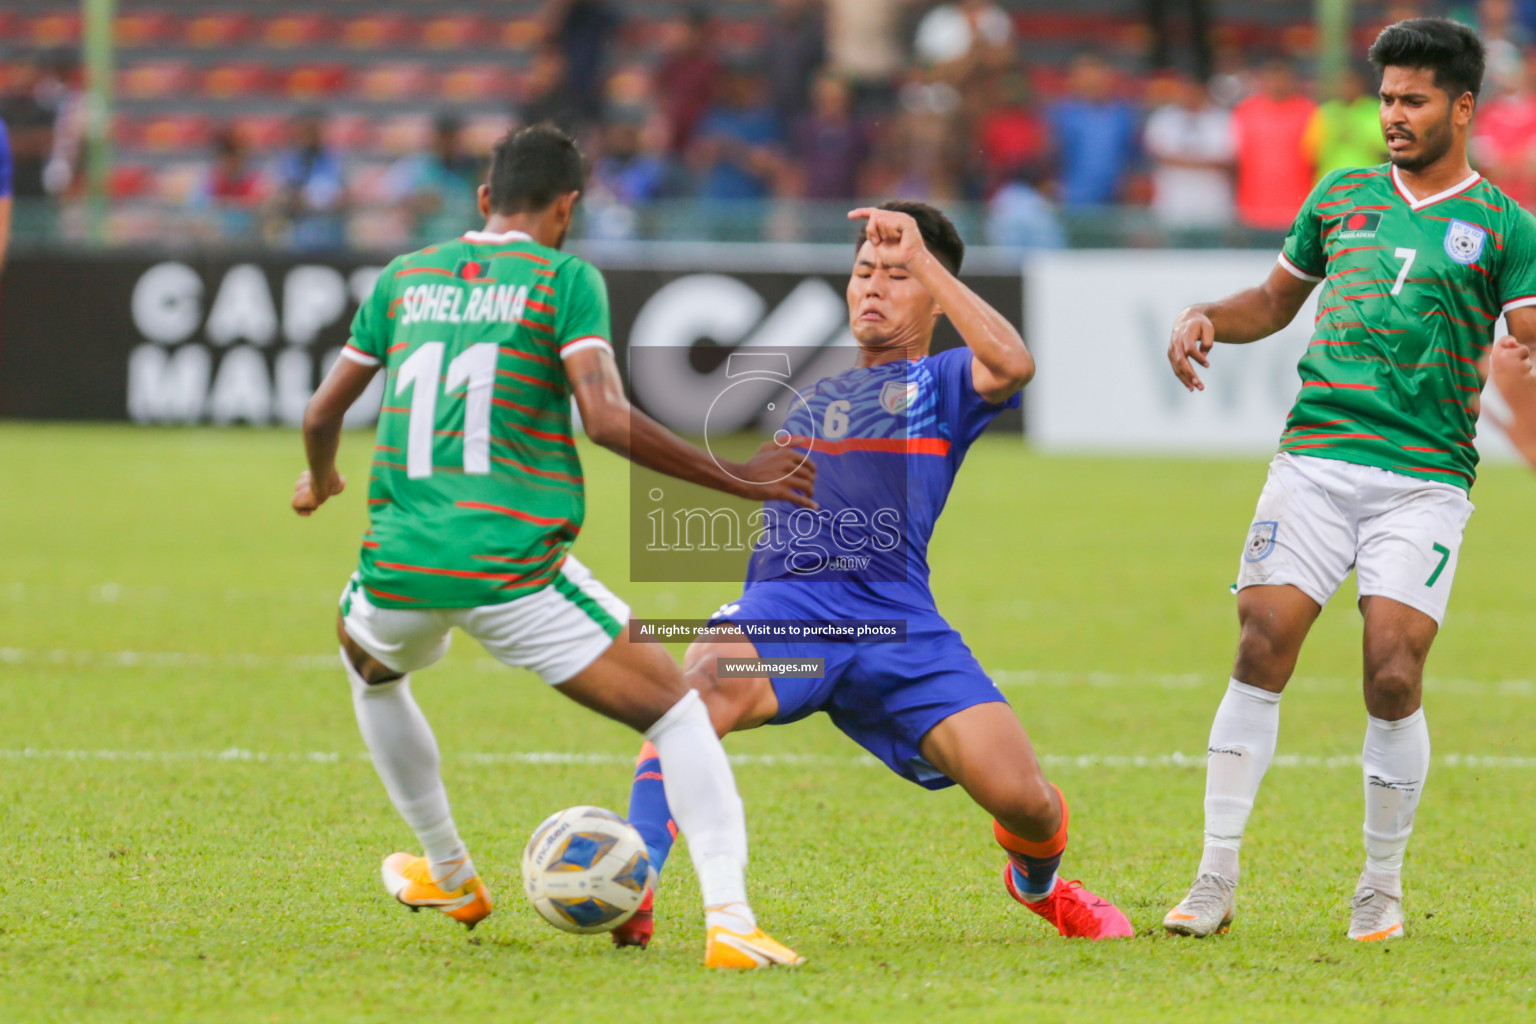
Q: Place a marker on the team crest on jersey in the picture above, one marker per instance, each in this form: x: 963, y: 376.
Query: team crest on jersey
x: 1464, y: 242
x: 897, y: 396
x: 1361, y: 224
x: 1261, y: 541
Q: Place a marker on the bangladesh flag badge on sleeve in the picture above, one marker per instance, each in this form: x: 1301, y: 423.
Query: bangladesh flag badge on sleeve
x: 1361, y: 224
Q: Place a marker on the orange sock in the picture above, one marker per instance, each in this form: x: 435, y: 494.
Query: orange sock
x: 1035, y: 861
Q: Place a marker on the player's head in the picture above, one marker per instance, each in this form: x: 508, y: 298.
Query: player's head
x: 536, y: 172
x: 887, y: 307
x: 1431, y: 72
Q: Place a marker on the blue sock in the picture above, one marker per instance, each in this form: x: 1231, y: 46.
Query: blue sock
x: 1034, y: 875
x: 648, y: 810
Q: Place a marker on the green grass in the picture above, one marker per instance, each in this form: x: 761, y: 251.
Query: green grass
x: 182, y: 886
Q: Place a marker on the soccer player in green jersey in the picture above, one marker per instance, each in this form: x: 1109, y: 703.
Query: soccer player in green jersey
x: 1417, y: 258
x: 475, y: 499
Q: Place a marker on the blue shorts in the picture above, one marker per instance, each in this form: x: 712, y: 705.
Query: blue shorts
x: 885, y: 697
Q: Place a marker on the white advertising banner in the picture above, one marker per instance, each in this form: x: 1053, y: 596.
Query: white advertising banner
x: 1098, y: 324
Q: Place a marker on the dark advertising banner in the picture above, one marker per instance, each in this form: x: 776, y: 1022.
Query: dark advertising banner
x: 231, y: 341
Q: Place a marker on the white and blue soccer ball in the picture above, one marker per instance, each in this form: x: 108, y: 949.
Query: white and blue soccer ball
x: 585, y: 870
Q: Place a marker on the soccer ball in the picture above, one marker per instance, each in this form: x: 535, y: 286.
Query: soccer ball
x: 585, y: 870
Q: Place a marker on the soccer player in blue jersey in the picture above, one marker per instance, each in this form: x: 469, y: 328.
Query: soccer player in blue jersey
x: 887, y: 437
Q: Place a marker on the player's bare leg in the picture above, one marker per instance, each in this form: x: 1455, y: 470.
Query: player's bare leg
x: 404, y: 753
x: 1274, y: 622
x: 639, y: 684
x: 985, y: 749
x: 1394, y: 761
x: 733, y: 704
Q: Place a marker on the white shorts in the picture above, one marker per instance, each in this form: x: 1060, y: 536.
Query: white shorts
x: 555, y: 632
x: 1318, y: 518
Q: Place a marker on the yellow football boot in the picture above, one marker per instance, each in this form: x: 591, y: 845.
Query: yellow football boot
x: 408, y: 880
x: 746, y: 951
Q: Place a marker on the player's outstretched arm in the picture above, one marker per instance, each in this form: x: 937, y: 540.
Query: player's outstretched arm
x: 1000, y: 363
x: 612, y: 422
x: 1249, y: 315
x: 1514, y: 375
x: 323, y: 415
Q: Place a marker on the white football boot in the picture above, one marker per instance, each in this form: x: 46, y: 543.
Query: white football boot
x: 1374, y: 916
x: 1207, y: 910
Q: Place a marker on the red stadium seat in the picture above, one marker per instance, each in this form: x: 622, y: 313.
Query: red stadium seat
x: 50, y: 30
x: 521, y: 33
x: 481, y: 133
x: 228, y: 81
x: 385, y: 82
x: 352, y: 132
x: 455, y: 32
x: 313, y: 81
x: 139, y: 28
x: 129, y: 180
x: 262, y: 132
x: 218, y: 29
x: 154, y: 79
x: 404, y: 134
x: 376, y: 31
x: 477, y: 83
x: 293, y: 31
x: 174, y: 132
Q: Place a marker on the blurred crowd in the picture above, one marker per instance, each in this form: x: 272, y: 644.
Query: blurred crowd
x: 848, y: 99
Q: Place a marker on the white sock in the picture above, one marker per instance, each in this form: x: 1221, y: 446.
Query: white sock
x: 701, y: 791
x: 1395, y: 762
x: 1241, y: 747
x: 404, y: 754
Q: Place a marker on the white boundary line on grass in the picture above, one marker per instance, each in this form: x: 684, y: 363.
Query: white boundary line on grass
x: 239, y: 755
x: 1005, y: 678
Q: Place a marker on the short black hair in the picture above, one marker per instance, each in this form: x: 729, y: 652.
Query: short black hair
x: 939, y: 233
x: 1449, y: 49
x: 532, y: 167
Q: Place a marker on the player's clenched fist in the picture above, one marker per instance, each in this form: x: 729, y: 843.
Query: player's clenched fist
x: 895, y: 235
x: 307, y: 497
x: 1193, y: 336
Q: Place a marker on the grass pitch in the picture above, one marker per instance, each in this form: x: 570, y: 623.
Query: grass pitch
x: 191, y: 832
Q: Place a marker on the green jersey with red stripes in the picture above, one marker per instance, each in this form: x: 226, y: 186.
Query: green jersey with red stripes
x: 1411, y: 290
x: 476, y: 489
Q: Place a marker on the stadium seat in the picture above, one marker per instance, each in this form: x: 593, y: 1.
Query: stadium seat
x: 456, y: 32
x: 230, y: 81
x: 129, y: 180
x: 404, y: 134
x: 49, y: 30
x: 293, y: 31
x: 377, y: 32
x: 314, y: 81
x: 521, y: 33
x: 386, y: 82
x: 219, y: 29
x: 170, y: 133
x: 156, y: 79
x: 262, y: 132
x: 483, y: 131
x: 477, y: 83
x: 352, y: 132
x: 140, y: 28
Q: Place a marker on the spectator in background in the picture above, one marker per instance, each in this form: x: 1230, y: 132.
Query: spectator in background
x: 687, y: 78
x: 309, y: 186
x: 230, y: 190
x: 1274, y: 172
x: 631, y: 171
x: 58, y: 89
x: 1499, y: 26
x: 436, y: 188
x: 830, y: 143
x: 1505, y: 137
x: 1163, y: 18
x: 794, y: 51
x: 1096, y: 136
x: 1345, y: 131
x: 1011, y: 133
x: 548, y: 94
x: 864, y: 48
x: 30, y: 123
x: 582, y: 30
x: 1020, y: 217
x: 736, y: 151
x: 1191, y: 146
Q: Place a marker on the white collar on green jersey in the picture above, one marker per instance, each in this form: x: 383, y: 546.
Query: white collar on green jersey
x: 486, y: 238
x: 1419, y: 204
